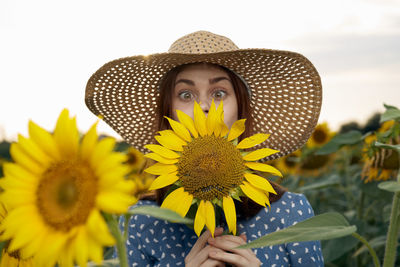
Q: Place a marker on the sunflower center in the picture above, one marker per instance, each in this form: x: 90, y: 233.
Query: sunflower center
x: 320, y: 136
x: 66, y: 194
x: 315, y: 162
x: 210, y: 167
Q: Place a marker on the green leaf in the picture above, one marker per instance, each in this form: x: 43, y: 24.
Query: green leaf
x: 382, y: 145
x: 391, y: 186
x: 390, y: 114
x: 349, y: 138
x: 335, y: 248
x: 160, y: 213
x: 321, y: 227
x: 330, y: 181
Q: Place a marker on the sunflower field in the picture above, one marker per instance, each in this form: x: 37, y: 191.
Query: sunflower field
x: 353, y: 173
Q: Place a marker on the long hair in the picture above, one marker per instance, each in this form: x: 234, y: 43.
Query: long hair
x: 246, y: 208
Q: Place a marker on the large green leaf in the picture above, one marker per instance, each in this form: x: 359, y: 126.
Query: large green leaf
x: 390, y: 114
x: 160, y: 213
x: 335, y: 248
x: 349, y: 138
x: 321, y: 227
x: 391, y: 186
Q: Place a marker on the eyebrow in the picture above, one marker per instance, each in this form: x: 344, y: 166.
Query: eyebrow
x: 211, y: 81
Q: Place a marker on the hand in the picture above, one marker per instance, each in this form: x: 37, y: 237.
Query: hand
x: 198, y: 255
x: 227, y: 253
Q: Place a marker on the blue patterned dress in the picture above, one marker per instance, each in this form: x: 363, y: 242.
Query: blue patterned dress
x: 154, y: 242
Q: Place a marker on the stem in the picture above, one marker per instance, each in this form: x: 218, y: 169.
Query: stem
x: 370, y: 249
x: 392, y: 235
x: 121, y: 248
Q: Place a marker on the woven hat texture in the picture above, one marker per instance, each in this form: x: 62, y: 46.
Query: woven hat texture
x: 286, y: 92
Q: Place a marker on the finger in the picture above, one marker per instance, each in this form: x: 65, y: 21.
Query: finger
x: 229, y: 243
x: 212, y: 263
x: 235, y: 259
x: 199, y: 245
x: 200, y: 257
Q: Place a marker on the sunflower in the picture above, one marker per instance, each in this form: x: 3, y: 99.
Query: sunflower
x: 135, y: 159
x: 56, y: 190
x: 380, y: 164
x: 142, y: 182
x: 208, y: 167
x: 11, y: 258
x: 320, y: 136
x: 288, y: 164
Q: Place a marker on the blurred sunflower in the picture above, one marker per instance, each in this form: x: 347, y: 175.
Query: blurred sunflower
x: 288, y: 164
x: 135, y: 159
x: 380, y: 164
x: 320, y: 136
x: 11, y: 258
x: 142, y: 182
x: 62, y: 185
x: 209, y: 167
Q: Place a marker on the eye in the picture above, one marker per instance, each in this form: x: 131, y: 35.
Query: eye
x: 219, y: 94
x: 185, y: 95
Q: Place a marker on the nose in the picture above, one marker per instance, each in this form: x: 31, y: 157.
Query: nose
x: 205, y: 106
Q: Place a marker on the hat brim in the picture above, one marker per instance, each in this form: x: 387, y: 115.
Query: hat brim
x: 286, y: 94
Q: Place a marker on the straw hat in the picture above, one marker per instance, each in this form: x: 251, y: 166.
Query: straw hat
x: 285, y: 87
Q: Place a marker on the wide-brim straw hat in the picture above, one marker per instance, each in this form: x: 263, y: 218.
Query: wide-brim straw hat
x: 285, y: 89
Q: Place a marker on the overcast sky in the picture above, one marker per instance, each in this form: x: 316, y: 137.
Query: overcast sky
x: 49, y: 49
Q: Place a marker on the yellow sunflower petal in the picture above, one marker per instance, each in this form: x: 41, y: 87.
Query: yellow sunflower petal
x: 259, y: 154
x: 252, y: 140
x: 163, y: 151
x: 237, y: 129
x: 33, y: 150
x: 159, y: 169
x: 51, y: 248
x: 44, y: 140
x: 200, y: 219
x: 199, y: 119
x: 114, y: 202
x: 180, y: 130
x: 81, y: 250
x: 98, y: 229
x: 175, y: 199
x: 66, y: 134
x: 102, y: 149
x: 259, y: 182
x: 95, y: 251
x: 184, y: 204
x: 212, y: 119
x: 219, y: 120
x: 89, y: 141
x: 169, y: 139
x: 230, y: 213
x: 161, y: 159
x: 110, y: 163
x: 263, y: 167
x: 164, y: 180
x: 187, y: 121
x: 255, y: 194
x: 210, y: 217
x: 24, y: 160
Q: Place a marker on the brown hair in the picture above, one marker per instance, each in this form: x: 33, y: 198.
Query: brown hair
x: 247, y: 207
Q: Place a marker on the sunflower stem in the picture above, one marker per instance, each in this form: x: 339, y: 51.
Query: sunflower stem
x: 369, y: 247
x: 115, y: 231
x: 393, y: 231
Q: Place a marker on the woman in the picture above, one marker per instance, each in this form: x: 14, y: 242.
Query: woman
x: 277, y: 92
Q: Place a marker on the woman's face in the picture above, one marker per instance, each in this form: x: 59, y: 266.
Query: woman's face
x: 202, y: 83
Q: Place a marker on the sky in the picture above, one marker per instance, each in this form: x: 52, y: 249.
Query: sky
x: 49, y: 49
